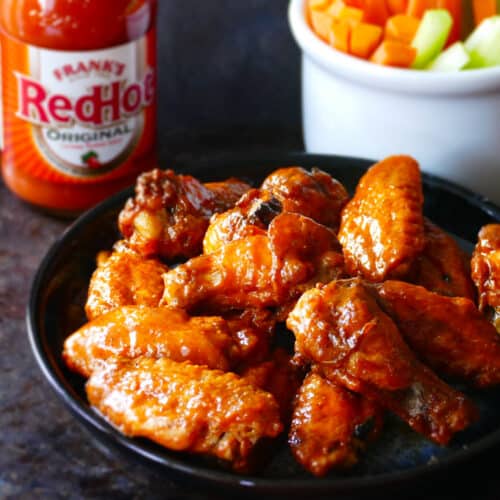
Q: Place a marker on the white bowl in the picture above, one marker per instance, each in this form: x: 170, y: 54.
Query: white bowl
x: 450, y: 122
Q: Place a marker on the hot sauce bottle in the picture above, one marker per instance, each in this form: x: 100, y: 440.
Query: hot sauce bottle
x: 79, y: 98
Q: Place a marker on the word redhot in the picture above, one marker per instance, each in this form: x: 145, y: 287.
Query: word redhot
x: 103, y: 105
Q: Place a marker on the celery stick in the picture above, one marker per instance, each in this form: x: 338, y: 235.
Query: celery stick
x: 480, y: 33
x: 454, y: 58
x: 431, y: 36
x: 483, y: 44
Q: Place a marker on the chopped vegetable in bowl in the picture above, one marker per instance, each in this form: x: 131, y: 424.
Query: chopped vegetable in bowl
x: 419, y: 34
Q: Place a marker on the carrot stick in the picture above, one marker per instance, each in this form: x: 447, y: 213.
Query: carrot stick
x: 397, y: 6
x: 358, y: 4
x: 364, y: 39
x: 351, y: 15
x: 416, y: 8
x: 483, y: 9
x: 375, y: 12
x: 392, y: 53
x: 454, y: 7
x: 321, y: 22
x: 401, y: 28
x: 339, y: 36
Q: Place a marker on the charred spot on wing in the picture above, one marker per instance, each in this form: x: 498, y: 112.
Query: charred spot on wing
x: 265, y: 211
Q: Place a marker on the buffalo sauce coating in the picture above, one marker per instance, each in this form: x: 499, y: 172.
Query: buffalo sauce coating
x: 330, y: 425
x: 257, y: 271
x: 252, y: 331
x: 279, y: 376
x: 448, y: 333
x: 169, y: 214
x: 133, y: 331
x: 314, y: 194
x: 486, y: 271
x: 186, y: 407
x: 354, y: 343
x: 382, y: 228
x: 124, y: 278
x: 443, y: 267
x: 251, y: 216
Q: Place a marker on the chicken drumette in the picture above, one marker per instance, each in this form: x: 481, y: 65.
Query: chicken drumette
x: 267, y: 270
x: 486, y: 272
x: 448, y: 333
x: 186, y: 407
x: 341, y: 329
x: 314, y: 194
x: 169, y: 214
x: 330, y: 425
x: 251, y: 216
x: 443, y: 266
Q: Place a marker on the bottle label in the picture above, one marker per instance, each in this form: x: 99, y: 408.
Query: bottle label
x: 81, y: 114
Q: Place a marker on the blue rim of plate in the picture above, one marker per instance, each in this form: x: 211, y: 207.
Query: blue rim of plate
x: 221, y: 478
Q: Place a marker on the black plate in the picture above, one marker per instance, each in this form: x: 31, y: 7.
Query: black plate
x: 55, y: 310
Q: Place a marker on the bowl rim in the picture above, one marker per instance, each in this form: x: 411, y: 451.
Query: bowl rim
x: 405, y: 81
x: 230, y: 481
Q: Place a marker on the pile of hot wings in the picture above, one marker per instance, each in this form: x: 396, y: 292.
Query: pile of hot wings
x: 185, y: 316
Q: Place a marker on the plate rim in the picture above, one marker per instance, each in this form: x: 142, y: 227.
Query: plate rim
x: 97, y: 423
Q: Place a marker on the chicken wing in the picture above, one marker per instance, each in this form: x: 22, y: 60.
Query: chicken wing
x: 257, y: 271
x: 382, y: 228
x: 314, y: 194
x: 186, y: 407
x: 341, y: 328
x: 448, y: 333
x: 443, y: 266
x: 250, y: 216
x: 124, y: 278
x: 486, y: 271
x: 278, y: 376
x: 169, y: 214
x: 330, y: 425
x: 134, y: 331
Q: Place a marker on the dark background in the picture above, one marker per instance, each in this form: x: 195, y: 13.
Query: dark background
x: 229, y: 77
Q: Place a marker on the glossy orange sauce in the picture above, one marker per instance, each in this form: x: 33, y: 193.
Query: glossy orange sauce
x: 76, y: 25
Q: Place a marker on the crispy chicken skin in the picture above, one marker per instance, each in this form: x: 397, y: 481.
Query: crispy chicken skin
x: 279, y: 376
x: 186, y: 407
x: 486, y: 271
x: 169, y: 213
x: 330, y: 425
x: 124, y: 278
x: 251, y: 215
x: 382, y: 228
x: 257, y: 271
x: 448, y: 333
x: 341, y: 328
x: 314, y: 194
x: 133, y: 331
x: 252, y: 331
x: 443, y: 266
